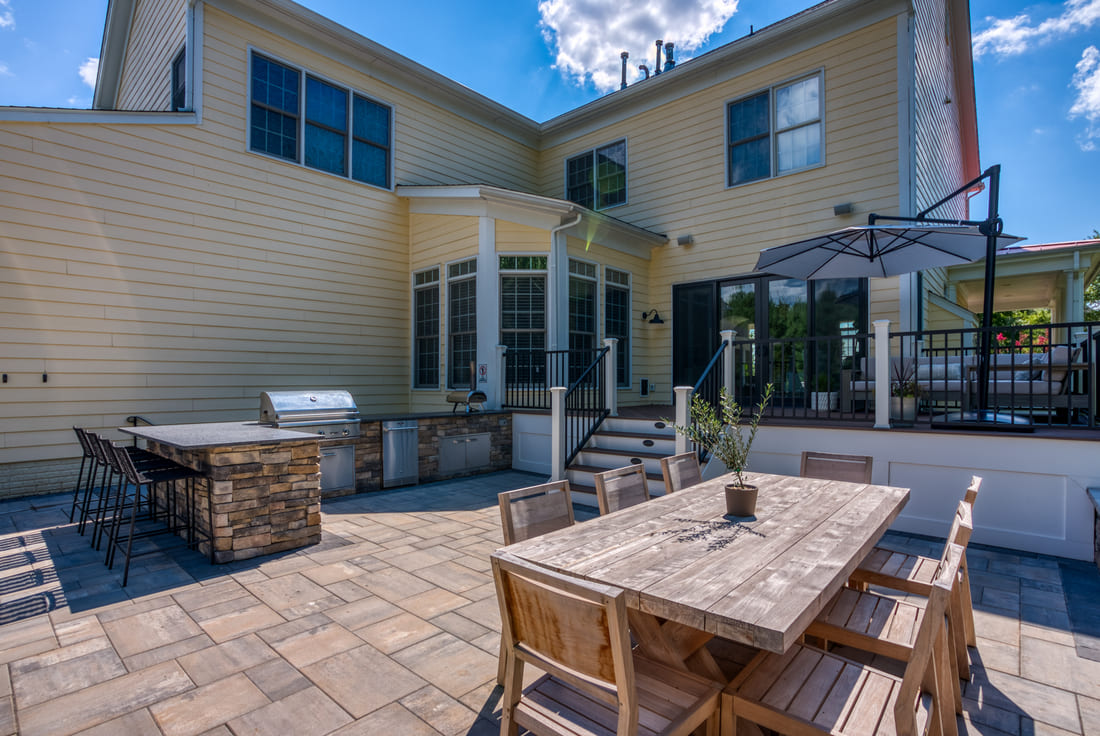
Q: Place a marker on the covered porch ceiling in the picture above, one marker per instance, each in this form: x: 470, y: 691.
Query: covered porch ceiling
x: 1028, y: 276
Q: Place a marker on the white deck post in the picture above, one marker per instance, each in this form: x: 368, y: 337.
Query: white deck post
x: 882, y: 373
x: 683, y: 414
x: 727, y: 360
x: 611, y: 375
x: 499, y: 399
x: 557, y: 432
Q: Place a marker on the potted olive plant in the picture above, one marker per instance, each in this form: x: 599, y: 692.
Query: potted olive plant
x: 904, y: 391
x: 724, y: 437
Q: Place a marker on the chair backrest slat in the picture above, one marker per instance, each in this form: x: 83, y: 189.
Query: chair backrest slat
x: 831, y: 466
x: 530, y: 512
x: 962, y: 525
x: 919, y: 671
x: 681, y: 471
x: 621, y: 488
x: 574, y: 629
x: 972, y: 490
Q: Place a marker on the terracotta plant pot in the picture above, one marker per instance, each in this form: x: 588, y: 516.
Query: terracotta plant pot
x: 740, y: 500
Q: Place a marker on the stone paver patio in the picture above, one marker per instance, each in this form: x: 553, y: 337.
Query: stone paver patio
x: 390, y: 626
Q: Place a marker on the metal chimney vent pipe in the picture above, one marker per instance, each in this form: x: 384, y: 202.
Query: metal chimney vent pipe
x: 657, y: 69
x: 669, y: 61
x: 644, y: 68
x: 625, y: 55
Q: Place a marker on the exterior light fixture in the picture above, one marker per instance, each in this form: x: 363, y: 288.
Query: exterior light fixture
x: 653, y: 317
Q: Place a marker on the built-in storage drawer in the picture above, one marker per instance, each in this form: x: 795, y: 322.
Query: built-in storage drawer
x: 463, y: 452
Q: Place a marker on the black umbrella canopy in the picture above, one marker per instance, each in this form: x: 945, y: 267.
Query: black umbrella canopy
x: 879, y: 251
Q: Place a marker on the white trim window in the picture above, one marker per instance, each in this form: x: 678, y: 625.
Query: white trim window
x: 596, y: 179
x: 583, y: 320
x: 617, y: 311
x: 461, y: 322
x: 523, y: 315
x: 322, y: 125
x: 775, y: 132
x: 426, y: 328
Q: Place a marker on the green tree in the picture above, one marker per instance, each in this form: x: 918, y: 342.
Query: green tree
x: 1092, y: 293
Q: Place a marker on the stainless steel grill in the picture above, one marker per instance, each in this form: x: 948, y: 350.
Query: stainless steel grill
x: 329, y: 413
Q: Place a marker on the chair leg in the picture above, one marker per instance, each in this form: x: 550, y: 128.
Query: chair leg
x: 78, y: 488
x: 967, y: 604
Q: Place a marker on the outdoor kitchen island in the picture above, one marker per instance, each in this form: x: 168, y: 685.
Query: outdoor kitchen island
x: 260, y: 485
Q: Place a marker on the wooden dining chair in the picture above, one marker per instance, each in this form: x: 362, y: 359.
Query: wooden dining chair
x: 913, y: 573
x: 830, y: 466
x: 529, y: 512
x: 621, y: 488
x: 888, y: 626
x: 576, y: 632
x: 809, y: 690
x: 681, y: 471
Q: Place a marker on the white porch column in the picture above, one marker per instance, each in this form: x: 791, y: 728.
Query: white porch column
x: 727, y: 361
x: 557, y: 432
x: 882, y: 373
x: 498, y: 380
x: 611, y: 375
x: 488, y: 312
x: 683, y: 414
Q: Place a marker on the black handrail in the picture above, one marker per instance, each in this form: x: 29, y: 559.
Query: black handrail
x: 709, y: 384
x: 133, y: 422
x: 585, y: 406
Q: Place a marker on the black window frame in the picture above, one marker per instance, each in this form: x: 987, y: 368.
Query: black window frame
x: 741, y: 139
x: 461, y: 322
x: 426, y: 312
x: 587, y: 175
x: 356, y: 141
x: 617, y: 320
x: 178, y: 101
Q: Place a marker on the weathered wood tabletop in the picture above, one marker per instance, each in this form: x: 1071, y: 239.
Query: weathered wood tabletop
x: 758, y: 580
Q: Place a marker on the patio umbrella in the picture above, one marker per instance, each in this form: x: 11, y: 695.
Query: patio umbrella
x: 879, y: 251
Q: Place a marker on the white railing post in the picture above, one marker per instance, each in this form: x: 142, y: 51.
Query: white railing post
x: 611, y: 375
x: 727, y: 360
x: 882, y: 373
x: 683, y: 414
x: 500, y: 383
x: 557, y: 432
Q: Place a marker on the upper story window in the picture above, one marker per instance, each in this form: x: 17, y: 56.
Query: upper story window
x: 597, y: 179
x: 179, y: 81
x: 341, y: 132
x: 775, y: 131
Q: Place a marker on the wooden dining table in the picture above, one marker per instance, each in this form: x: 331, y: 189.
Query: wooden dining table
x: 691, y: 573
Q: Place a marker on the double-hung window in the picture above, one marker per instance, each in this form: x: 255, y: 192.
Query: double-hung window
x: 775, y: 131
x: 320, y: 124
x: 461, y: 321
x: 597, y: 179
x: 179, y: 81
x: 582, y: 316
x: 617, y: 320
x: 426, y: 329
x: 523, y: 316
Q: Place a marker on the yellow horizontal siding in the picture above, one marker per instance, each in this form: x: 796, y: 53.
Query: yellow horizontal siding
x: 513, y: 237
x: 156, y: 35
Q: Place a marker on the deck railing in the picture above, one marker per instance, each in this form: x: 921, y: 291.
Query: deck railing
x: 1031, y: 375
x: 585, y: 406
x: 530, y: 373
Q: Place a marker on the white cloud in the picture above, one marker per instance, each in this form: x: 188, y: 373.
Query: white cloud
x: 89, y: 70
x: 589, y: 35
x: 1086, y: 80
x: 7, y: 19
x: 1015, y: 35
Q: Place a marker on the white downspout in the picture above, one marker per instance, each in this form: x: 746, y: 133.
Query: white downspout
x: 557, y: 292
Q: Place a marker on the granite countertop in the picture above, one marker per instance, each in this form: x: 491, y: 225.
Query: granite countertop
x: 215, y: 434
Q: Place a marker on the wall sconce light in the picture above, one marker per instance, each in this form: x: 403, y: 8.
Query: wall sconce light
x: 843, y: 209
x: 653, y: 317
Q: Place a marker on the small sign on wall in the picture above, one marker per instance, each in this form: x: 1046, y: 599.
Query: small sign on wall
x: 483, y: 373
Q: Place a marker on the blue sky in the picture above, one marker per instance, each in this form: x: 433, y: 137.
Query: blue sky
x: 1037, y: 70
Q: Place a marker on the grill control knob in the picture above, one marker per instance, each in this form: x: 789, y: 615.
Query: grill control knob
x: 345, y: 433
x: 321, y: 432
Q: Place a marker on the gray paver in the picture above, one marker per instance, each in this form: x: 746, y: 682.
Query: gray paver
x: 391, y: 625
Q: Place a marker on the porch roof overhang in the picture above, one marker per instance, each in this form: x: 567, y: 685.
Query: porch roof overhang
x: 1027, y: 276
x: 482, y: 200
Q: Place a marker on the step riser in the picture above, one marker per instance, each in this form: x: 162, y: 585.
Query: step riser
x: 610, y: 461
x: 663, y: 445
x: 641, y: 426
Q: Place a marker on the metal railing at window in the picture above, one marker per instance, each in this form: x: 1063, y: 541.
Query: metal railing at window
x: 585, y: 405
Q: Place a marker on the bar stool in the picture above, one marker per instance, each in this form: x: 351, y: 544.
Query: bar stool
x: 145, y: 483
x: 85, y: 487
